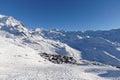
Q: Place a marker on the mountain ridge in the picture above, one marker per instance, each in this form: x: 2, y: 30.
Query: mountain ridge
x: 55, y: 55
x: 92, y: 44
x: 89, y: 45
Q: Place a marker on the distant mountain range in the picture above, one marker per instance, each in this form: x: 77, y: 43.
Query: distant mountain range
x: 42, y: 54
x: 100, y: 46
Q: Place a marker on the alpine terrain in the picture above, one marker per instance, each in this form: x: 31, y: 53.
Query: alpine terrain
x: 57, y: 54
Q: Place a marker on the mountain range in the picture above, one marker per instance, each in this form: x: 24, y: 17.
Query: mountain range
x: 20, y: 50
x: 100, y: 46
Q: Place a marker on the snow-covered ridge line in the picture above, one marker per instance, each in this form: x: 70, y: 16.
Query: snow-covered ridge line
x: 78, y: 44
x: 36, y: 42
x: 20, y: 51
x: 11, y: 25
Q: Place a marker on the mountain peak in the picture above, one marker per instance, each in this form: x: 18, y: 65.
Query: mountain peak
x: 1, y: 16
x: 11, y: 25
x: 8, y: 21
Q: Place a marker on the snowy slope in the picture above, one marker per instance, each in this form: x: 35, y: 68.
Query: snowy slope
x: 16, y: 28
x: 86, y: 45
x: 20, y: 58
x: 91, y: 45
x: 19, y: 62
x: 41, y: 44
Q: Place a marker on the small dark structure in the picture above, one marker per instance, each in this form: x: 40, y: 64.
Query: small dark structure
x: 58, y: 59
x: 118, y: 67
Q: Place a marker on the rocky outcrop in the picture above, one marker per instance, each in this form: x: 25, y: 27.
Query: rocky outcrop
x: 58, y: 59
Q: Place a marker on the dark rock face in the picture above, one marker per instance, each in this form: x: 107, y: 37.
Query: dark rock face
x: 58, y: 59
x: 118, y: 67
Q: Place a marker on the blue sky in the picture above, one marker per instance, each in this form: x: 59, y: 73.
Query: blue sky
x: 64, y: 14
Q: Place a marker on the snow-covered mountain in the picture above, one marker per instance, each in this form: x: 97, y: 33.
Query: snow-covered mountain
x: 112, y: 35
x: 101, y: 46
x: 11, y: 25
x: 20, y: 50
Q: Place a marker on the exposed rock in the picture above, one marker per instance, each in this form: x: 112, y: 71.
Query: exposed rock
x: 118, y: 67
x: 58, y: 59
